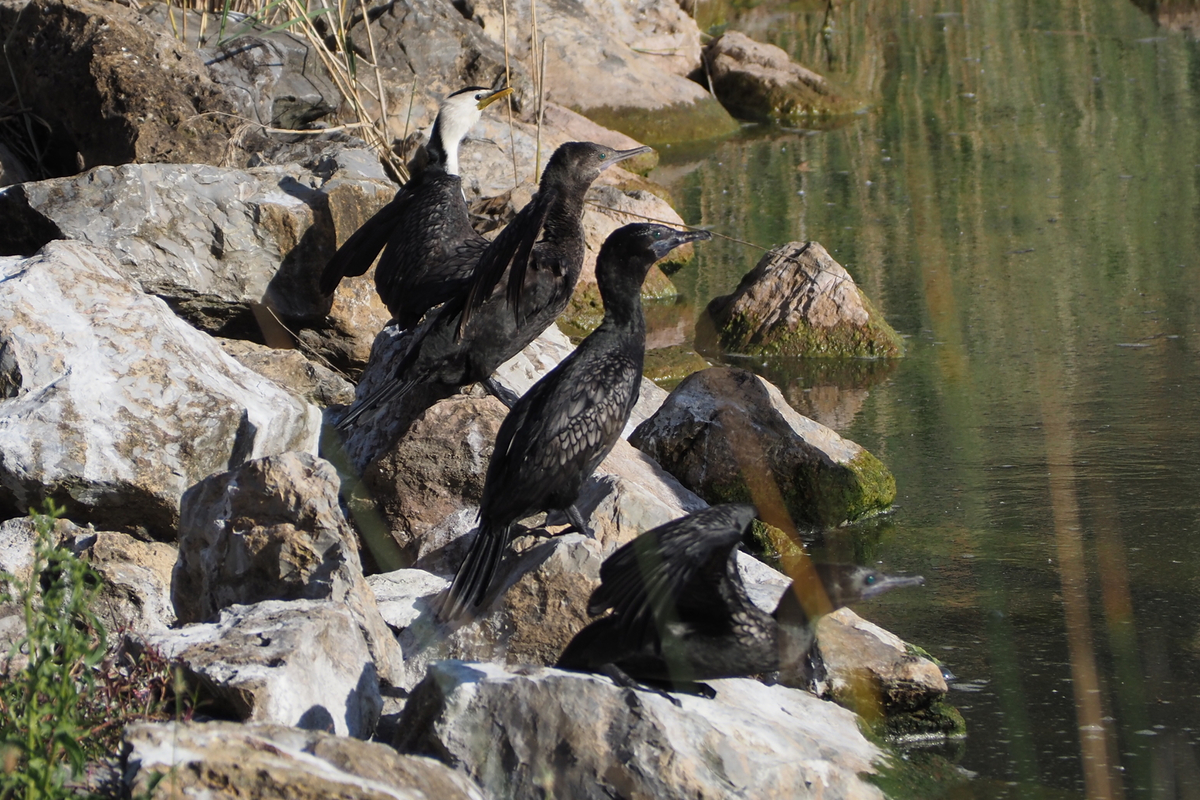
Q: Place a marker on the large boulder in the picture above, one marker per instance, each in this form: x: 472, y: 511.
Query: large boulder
x: 272, y: 529
x: 760, y: 81
x: 539, y: 732
x: 288, y: 367
x: 214, y: 243
x: 620, y: 64
x: 113, y: 87
x: 730, y: 436
x: 114, y: 405
x: 274, y: 762
x: 303, y: 663
x: 135, y: 578
x: 798, y: 301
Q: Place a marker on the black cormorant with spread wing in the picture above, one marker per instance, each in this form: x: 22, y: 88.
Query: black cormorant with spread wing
x: 429, y: 247
x: 564, y: 426
x: 540, y: 252
x: 681, y: 614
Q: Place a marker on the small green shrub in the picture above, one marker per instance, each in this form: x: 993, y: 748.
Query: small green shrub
x: 41, y: 721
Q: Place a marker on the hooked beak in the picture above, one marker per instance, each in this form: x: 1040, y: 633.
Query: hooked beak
x: 623, y: 155
x: 676, y: 239
x: 889, y: 582
x: 493, y: 97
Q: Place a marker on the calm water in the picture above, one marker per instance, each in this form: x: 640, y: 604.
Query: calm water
x: 1023, y: 204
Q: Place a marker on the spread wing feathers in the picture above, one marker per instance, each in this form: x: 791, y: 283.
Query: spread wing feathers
x: 514, y: 246
x: 679, y: 567
x: 356, y: 255
x: 475, y: 574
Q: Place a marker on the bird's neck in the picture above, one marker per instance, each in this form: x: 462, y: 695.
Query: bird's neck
x: 564, y: 220
x: 443, y: 147
x: 623, y: 305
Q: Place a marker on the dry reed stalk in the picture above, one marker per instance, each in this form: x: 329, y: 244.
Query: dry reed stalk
x: 512, y: 138
x: 383, y: 115
x: 537, y: 156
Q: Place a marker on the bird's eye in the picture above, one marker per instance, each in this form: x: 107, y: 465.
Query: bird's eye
x: 603, y: 156
x: 870, y: 579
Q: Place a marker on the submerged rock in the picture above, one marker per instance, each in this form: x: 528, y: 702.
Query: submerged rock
x: 113, y: 404
x: 535, y: 733
x: 303, y: 663
x: 274, y: 762
x: 798, y: 301
x: 729, y: 436
x: 759, y: 81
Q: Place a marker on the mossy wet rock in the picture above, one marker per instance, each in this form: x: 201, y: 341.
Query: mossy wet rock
x: 729, y: 436
x: 798, y: 301
x: 113, y: 86
x: 275, y: 762
x: 896, y: 689
x: 113, y: 404
x: 533, y: 733
x: 760, y: 81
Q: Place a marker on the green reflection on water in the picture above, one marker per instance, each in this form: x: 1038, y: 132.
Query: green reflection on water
x: 1023, y: 203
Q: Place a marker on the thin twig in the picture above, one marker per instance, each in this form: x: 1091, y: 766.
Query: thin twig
x: 302, y: 345
x: 537, y: 82
x: 512, y: 137
x: 537, y: 157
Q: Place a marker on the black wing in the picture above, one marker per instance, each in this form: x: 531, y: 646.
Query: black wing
x: 675, y: 571
x: 357, y: 254
x: 514, y: 246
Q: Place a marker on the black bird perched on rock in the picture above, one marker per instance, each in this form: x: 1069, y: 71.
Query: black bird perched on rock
x: 429, y: 247
x: 467, y: 339
x: 564, y: 426
x: 680, y: 612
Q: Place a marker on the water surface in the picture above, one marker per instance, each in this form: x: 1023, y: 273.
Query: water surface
x: 1023, y: 204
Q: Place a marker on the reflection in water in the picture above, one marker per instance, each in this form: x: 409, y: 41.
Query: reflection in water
x: 1024, y: 205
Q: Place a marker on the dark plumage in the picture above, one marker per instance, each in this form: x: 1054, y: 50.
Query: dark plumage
x: 467, y: 339
x: 680, y: 612
x: 566, y: 424
x: 429, y: 247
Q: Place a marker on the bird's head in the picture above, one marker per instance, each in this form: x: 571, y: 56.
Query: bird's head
x: 839, y: 585
x: 628, y: 253
x: 457, y: 114
x: 584, y: 161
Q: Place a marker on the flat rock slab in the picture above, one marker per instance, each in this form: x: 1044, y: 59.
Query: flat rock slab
x: 212, y: 241
x: 115, y: 405
x: 226, y: 760
x: 541, y: 732
x: 730, y: 436
x: 798, y: 301
x: 303, y: 663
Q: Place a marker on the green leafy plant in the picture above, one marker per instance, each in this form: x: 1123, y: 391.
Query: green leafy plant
x: 41, y: 716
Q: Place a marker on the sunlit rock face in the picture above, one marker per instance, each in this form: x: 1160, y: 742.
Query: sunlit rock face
x: 113, y: 404
x: 798, y: 301
x: 729, y: 436
x: 539, y: 732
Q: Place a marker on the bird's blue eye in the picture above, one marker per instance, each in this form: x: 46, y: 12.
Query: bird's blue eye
x: 870, y: 579
x: 603, y: 156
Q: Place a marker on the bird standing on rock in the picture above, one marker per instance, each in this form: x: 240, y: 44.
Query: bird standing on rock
x: 429, y: 247
x: 681, y: 614
x: 564, y: 426
x: 467, y: 339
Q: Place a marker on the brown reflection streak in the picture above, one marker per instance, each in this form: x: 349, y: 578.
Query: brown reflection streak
x: 1098, y: 763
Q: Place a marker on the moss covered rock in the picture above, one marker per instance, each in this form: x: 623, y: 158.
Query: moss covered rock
x: 798, y: 301
x: 730, y: 436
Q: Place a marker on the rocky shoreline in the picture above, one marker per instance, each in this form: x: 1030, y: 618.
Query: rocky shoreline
x: 169, y: 367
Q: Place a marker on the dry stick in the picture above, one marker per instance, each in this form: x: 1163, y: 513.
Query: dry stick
x: 383, y: 115
x: 537, y: 85
x: 411, y: 96
x: 537, y: 158
x: 512, y: 138
x: 301, y: 344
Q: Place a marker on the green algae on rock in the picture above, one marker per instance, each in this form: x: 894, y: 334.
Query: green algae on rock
x: 680, y: 122
x: 759, y: 81
x: 730, y: 436
x: 798, y: 301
